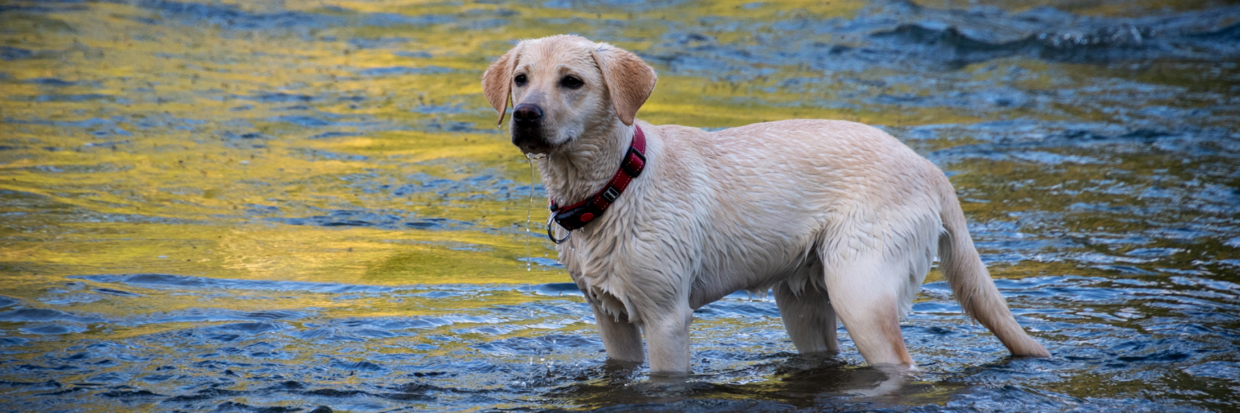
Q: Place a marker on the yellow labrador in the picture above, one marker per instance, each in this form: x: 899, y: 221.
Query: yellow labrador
x: 838, y: 218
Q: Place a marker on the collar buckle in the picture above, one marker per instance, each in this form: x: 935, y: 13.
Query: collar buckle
x: 575, y: 216
x: 634, y: 162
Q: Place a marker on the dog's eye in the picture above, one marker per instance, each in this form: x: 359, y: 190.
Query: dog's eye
x: 571, y: 82
x: 519, y: 80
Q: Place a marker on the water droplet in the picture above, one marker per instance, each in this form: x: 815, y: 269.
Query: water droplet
x: 529, y: 210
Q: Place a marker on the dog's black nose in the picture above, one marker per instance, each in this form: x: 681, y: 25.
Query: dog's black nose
x: 527, y: 114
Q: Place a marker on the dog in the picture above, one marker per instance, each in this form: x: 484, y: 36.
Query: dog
x: 839, y: 219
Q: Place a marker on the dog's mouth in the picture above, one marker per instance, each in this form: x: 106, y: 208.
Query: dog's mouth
x: 531, y: 142
x: 534, y: 151
x: 535, y: 154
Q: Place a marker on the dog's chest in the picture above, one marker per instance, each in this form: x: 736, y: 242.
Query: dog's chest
x: 600, y: 275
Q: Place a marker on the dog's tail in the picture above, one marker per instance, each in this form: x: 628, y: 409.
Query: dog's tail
x: 972, y: 285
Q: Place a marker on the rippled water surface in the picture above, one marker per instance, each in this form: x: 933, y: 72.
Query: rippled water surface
x: 282, y: 205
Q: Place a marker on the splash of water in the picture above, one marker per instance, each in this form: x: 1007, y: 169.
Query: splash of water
x: 529, y: 210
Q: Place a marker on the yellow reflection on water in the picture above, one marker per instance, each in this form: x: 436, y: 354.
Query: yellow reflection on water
x: 182, y: 146
x: 181, y: 136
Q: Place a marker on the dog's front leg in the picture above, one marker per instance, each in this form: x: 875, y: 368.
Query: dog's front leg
x: 622, y: 339
x: 667, y: 340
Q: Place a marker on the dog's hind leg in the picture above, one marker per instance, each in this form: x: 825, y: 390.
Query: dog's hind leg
x: 808, y: 317
x: 865, y: 293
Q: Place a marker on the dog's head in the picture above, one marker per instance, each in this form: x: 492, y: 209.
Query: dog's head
x: 565, y: 86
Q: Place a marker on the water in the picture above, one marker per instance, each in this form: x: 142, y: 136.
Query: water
x: 529, y: 212
x: 239, y: 206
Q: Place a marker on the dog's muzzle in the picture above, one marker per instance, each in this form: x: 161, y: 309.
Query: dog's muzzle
x: 527, y: 131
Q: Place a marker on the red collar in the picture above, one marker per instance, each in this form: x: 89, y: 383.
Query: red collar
x: 578, y: 215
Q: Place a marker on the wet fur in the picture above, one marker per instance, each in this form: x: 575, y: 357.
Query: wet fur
x: 838, y: 218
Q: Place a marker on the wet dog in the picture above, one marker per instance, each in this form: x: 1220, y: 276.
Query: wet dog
x: 839, y: 219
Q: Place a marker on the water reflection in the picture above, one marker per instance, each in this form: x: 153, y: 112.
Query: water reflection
x: 286, y: 205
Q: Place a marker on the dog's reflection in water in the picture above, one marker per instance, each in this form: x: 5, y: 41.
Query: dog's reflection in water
x: 791, y: 381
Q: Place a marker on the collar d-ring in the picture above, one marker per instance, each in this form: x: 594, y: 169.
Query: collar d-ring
x: 551, y: 235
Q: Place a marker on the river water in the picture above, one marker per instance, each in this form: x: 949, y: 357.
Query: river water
x: 289, y: 205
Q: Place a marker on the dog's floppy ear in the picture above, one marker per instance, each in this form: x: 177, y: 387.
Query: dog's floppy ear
x: 497, y: 81
x: 629, y: 80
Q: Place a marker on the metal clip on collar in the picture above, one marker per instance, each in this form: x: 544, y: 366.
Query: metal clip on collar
x: 551, y: 235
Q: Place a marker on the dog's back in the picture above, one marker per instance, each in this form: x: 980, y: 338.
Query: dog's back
x: 779, y: 192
